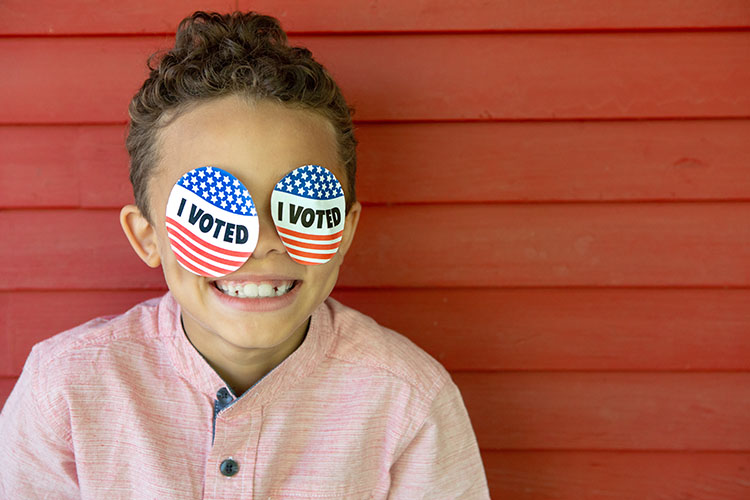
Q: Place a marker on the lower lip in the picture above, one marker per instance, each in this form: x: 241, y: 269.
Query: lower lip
x: 259, y: 304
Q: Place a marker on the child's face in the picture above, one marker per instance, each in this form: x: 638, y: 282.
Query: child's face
x: 259, y: 143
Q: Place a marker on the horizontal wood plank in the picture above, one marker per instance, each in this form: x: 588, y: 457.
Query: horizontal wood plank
x: 64, y: 166
x: 42, y: 17
x: 553, y: 245
x: 608, y: 411
x: 86, y: 165
x: 645, y: 244
x: 467, y: 329
x: 426, y: 77
x: 568, y: 329
x: 581, y: 475
x: 554, y: 161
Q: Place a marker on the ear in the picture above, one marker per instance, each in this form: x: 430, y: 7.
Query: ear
x: 140, y: 234
x: 350, y: 227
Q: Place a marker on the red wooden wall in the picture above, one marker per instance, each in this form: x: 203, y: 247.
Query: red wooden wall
x: 572, y: 178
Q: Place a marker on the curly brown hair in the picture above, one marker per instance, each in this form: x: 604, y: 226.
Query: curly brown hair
x: 220, y: 54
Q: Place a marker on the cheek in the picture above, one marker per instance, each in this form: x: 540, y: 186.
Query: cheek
x: 162, y: 241
x: 324, y: 276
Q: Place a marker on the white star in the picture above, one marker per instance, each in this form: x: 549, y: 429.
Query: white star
x: 217, y: 175
x: 304, y: 175
x: 221, y: 194
x: 243, y: 210
x: 223, y: 204
x: 219, y: 185
x: 310, y: 192
x: 201, y: 174
x: 213, y: 190
x: 308, y: 184
x: 209, y: 170
x: 280, y: 185
x: 203, y: 184
x: 236, y: 182
x: 252, y: 211
x: 210, y: 180
x: 289, y: 187
x: 205, y: 194
x: 237, y: 192
x: 234, y: 208
x: 226, y: 179
x: 297, y: 182
x: 195, y: 188
x: 230, y: 198
x: 213, y: 199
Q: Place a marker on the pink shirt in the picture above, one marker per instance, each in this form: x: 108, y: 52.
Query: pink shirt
x: 127, y: 408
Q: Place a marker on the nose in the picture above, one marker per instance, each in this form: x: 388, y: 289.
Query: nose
x: 269, y: 241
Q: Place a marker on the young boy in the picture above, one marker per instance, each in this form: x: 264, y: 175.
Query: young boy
x: 245, y: 380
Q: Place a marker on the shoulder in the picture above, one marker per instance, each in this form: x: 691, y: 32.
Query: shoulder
x: 361, y: 341
x: 66, y: 369
x: 100, y: 334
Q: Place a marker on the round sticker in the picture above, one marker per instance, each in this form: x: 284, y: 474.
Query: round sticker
x: 308, y: 207
x: 211, y: 222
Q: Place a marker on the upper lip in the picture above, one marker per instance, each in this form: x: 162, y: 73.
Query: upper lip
x: 255, y: 278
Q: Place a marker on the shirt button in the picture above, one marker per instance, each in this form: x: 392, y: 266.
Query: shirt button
x: 224, y: 396
x: 229, y: 467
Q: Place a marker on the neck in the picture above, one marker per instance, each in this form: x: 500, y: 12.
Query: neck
x: 242, y: 367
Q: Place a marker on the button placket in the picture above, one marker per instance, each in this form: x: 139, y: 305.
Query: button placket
x: 237, y: 433
x: 223, y: 399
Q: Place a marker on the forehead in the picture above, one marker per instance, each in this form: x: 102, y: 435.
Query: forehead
x: 257, y: 141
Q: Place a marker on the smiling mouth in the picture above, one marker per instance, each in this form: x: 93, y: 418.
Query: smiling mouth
x: 255, y: 290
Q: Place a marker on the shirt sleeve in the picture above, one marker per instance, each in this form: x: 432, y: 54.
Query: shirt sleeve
x: 443, y: 460
x: 36, y: 459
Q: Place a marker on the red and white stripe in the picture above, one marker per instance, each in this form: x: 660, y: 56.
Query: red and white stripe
x: 310, y: 248
x: 200, y: 256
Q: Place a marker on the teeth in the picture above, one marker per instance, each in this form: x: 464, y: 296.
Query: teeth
x: 250, y: 290
x: 254, y: 290
x: 265, y: 290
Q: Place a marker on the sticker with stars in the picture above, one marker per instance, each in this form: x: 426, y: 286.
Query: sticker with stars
x: 308, y: 208
x: 211, y: 222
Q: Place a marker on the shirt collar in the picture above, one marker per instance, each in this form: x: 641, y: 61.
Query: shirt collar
x: 196, y: 371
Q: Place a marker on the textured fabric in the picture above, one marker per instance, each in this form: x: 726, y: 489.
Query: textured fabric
x: 125, y: 408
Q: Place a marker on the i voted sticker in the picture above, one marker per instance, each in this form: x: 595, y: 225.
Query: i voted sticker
x: 211, y: 222
x: 308, y: 207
